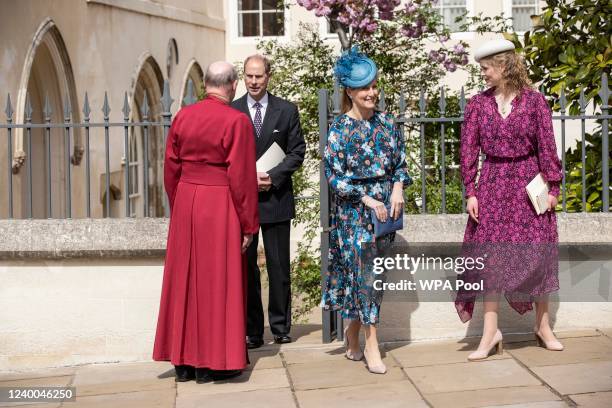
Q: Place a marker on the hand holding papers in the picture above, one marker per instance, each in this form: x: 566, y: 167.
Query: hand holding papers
x: 270, y: 159
x: 263, y: 181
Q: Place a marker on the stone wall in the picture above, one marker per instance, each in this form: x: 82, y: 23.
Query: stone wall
x: 87, y: 290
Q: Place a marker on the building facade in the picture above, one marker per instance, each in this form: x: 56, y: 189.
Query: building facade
x: 53, y: 53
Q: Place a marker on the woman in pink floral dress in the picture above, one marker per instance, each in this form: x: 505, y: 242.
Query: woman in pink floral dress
x: 511, y: 124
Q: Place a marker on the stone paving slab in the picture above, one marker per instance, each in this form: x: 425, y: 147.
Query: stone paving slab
x: 390, y: 395
x: 342, y: 372
x: 470, y: 376
x: 594, y: 400
x: 100, y: 379
x: 544, y: 404
x: 57, y: 381
x: 151, y: 399
x: 51, y: 372
x: 434, y: 353
x: 273, y: 398
x: 576, y: 350
x: 248, y: 381
x: 264, y: 359
x: 313, y: 354
x: 491, y: 396
x: 578, y: 378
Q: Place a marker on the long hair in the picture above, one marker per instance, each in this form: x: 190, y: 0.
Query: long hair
x: 514, y: 74
x: 346, y: 104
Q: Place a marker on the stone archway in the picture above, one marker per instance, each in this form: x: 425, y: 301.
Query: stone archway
x: 147, y: 81
x: 47, y: 73
x: 196, y: 75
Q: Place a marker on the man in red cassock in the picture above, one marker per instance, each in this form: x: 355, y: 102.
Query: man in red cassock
x: 211, y: 181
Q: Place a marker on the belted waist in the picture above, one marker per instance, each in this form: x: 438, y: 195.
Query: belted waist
x: 499, y: 159
x: 204, y: 173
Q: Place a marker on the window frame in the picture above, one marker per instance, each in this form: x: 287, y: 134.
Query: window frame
x: 462, y: 35
x: 509, y: 8
x: 233, y: 21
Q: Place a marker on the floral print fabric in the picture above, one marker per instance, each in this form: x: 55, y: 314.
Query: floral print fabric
x: 362, y: 157
x: 521, y: 244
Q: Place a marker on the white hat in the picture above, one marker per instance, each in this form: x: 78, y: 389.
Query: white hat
x: 492, y: 47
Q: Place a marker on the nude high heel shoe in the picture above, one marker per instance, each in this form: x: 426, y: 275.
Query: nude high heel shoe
x: 483, y: 354
x: 554, y: 345
x: 357, y: 356
x: 375, y: 369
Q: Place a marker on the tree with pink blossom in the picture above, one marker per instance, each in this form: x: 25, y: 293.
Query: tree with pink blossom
x: 355, y: 21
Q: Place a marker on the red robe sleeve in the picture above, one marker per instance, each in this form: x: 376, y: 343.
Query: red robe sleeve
x: 239, y: 144
x: 172, y: 161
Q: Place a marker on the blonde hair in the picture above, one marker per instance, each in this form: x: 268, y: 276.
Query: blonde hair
x: 514, y: 70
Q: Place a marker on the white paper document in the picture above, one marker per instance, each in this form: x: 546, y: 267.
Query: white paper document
x: 537, y: 189
x: 271, y: 158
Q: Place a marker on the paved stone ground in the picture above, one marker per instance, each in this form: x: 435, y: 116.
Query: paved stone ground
x: 306, y: 374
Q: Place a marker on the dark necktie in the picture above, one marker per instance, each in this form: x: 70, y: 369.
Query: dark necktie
x: 257, y: 119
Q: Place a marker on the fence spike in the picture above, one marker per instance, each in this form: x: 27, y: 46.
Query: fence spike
x: 382, y: 105
x: 422, y: 103
x: 604, y: 92
x: 67, y: 110
x: 442, y: 104
x: 402, y: 103
x: 126, y: 108
x: 86, y: 108
x: 166, y: 99
x: 189, y: 98
x: 336, y: 97
x: 105, y: 107
x: 582, y: 102
x: 562, y: 101
x: 28, y: 108
x: 47, y: 111
x: 145, y: 108
x: 9, y: 108
x: 462, y: 101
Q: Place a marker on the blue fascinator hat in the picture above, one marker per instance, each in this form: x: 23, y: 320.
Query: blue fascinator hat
x: 354, y: 69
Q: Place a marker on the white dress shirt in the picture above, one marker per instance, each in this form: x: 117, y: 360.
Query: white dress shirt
x: 252, y: 109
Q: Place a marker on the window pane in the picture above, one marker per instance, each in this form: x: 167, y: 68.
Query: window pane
x: 248, y: 24
x: 450, y: 14
x: 524, y: 2
x: 272, y: 4
x: 274, y: 24
x: 454, y: 3
x: 522, y: 18
x: 248, y: 5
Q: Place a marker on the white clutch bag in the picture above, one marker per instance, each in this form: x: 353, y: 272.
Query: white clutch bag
x: 537, y: 190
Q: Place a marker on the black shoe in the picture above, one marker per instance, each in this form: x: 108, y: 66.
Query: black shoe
x: 283, y: 338
x: 184, y: 373
x: 254, y: 342
x: 220, y: 375
x: 202, y: 375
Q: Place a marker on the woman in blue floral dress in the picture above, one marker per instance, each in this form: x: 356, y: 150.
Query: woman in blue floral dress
x: 365, y: 165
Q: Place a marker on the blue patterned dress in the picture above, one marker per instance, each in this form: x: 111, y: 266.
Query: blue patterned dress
x: 362, y: 157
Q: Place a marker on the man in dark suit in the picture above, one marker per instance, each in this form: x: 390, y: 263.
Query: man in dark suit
x: 274, y: 120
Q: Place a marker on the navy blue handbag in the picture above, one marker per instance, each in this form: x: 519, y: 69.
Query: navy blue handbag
x: 384, y: 228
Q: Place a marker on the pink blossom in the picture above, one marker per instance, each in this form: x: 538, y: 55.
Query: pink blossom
x: 322, y: 11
